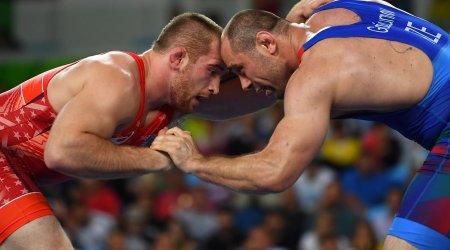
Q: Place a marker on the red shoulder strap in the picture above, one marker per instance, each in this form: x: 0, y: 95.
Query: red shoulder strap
x: 140, y: 64
x: 141, y: 67
x: 300, y: 54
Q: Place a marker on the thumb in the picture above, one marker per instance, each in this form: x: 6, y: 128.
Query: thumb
x: 162, y: 131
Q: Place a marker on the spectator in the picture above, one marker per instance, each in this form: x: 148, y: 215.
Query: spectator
x: 116, y: 240
x: 88, y: 230
x: 367, y: 184
x: 199, y: 219
x: 364, y: 238
x: 309, y: 188
x: 98, y: 196
x: 294, y: 218
x: 323, y: 229
x: 227, y: 236
x: 340, y: 149
x: 382, y: 216
x: 333, y: 201
x: 173, y: 238
x: 259, y: 238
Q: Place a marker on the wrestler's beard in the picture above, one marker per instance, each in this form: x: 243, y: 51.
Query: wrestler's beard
x: 278, y: 74
x: 282, y: 77
x: 181, y: 91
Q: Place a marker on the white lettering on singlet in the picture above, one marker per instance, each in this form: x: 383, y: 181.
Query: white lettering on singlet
x: 385, y: 22
x: 422, y: 32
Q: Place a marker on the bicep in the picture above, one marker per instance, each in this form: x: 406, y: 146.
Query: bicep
x: 97, y: 109
x: 232, y: 101
x: 84, y: 113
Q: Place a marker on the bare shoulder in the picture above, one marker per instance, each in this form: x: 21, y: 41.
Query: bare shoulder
x: 311, y: 86
x: 112, y: 77
x: 115, y: 69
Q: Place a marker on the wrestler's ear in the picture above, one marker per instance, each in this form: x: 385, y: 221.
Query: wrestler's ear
x: 178, y: 57
x: 265, y: 42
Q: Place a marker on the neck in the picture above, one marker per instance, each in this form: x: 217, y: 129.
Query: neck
x: 297, y: 38
x: 157, y: 79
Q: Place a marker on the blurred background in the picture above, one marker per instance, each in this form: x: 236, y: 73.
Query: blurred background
x: 346, y: 199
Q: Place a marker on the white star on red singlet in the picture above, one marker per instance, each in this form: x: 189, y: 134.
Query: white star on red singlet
x: 24, y: 191
x: 52, y: 115
x: 26, y: 135
x: 17, y: 135
x: 5, y: 201
x: 22, y: 112
x: 18, y: 183
x: 2, y: 179
x: 2, y: 127
x: 30, y: 124
x: 5, y: 168
x: 7, y: 188
x: 13, y: 176
x: 18, y: 119
x: 33, y: 115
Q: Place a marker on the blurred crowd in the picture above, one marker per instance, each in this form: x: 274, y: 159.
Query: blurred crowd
x: 345, y: 199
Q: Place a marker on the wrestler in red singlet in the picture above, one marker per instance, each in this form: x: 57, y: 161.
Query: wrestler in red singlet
x: 26, y: 118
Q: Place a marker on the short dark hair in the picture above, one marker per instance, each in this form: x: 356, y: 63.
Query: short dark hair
x: 189, y: 30
x: 241, y: 30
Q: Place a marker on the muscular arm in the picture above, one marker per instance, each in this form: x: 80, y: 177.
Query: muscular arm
x: 78, y: 144
x: 294, y: 143
x: 232, y: 102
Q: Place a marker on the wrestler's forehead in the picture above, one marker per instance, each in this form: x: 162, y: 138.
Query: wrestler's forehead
x: 227, y: 53
x: 213, y: 56
x: 215, y: 49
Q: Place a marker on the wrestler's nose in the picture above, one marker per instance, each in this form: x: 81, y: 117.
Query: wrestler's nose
x: 245, y: 83
x: 214, y: 86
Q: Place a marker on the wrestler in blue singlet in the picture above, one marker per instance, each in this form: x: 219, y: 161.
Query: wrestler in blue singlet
x: 424, y: 216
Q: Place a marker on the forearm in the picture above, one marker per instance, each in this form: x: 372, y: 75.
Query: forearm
x: 249, y: 173
x: 271, y: 170
x: 90, y: 156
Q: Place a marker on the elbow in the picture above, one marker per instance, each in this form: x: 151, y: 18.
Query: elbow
x: 274, y: 184
x: 56, y: 159
x: 275, y: 181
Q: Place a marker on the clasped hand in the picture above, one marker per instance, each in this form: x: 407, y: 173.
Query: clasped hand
x: 179, y: 145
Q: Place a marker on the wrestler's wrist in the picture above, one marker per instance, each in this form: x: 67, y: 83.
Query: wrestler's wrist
x: 163, y: 161
x: 196, y: 164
